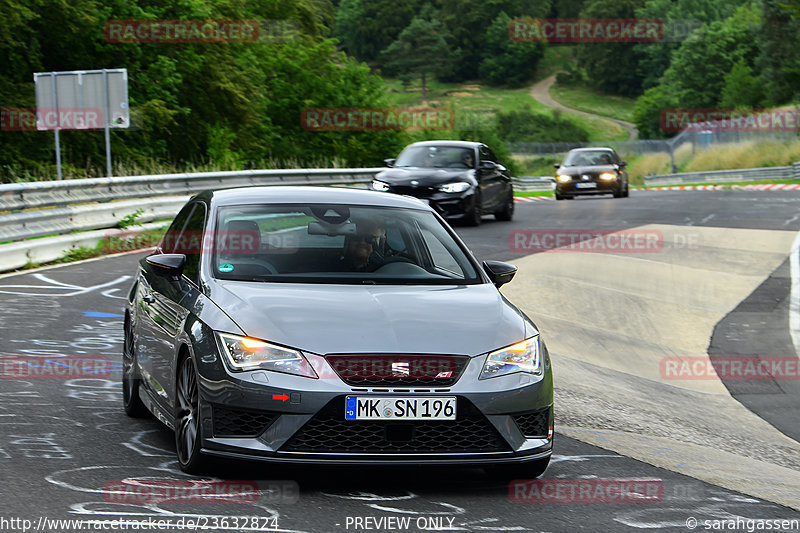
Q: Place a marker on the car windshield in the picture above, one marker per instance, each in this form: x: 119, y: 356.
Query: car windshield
x: 436, y: 157
x: 588, y: 158
x: 337, y: 244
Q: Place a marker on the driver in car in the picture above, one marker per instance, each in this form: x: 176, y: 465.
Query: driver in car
x: 364, y: 250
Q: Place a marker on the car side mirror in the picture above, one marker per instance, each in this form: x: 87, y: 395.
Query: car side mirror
x: 623, y: 164
x: 487, y: 165
x: 389, y: 162
x: 167, y: 265
x: 499, y: 272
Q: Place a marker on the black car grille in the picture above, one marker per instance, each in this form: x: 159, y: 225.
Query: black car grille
x: 329, y: 432
x: 417, y: 192
x: 398, y: 370
x: 241, y: 423
x: 534, y: 423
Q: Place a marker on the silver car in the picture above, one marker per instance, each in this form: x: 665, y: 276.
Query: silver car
x: 330, y: 325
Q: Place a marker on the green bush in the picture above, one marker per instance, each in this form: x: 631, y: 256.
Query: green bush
x: 526, y: 126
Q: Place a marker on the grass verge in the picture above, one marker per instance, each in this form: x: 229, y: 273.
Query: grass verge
x: 592, y: 101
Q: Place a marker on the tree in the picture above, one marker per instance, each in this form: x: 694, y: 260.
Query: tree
x: 505, y: 61
x: 779, y: 44
x: 680, y: 18
x: 697, y: 72
x: 648, y: 109
x: 366, y: 27
x: 466, y: 24
x: 742, y: 89
x: 419, y: 50
x: 612, y: 67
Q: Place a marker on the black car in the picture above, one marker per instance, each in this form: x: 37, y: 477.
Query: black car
x: 591, y: 171
x: 460, y: 180
x: 332, y: 325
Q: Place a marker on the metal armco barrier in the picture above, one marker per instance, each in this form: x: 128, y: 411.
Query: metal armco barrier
x: 63, y: 213
x: 722, y: 176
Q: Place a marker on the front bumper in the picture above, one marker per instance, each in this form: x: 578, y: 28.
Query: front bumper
x: 505, y: 419
x: 576, y: 187
x: 448, y: 205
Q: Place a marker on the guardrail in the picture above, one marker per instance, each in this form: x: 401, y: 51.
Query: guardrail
x: 723, y: 176
x: 534, y: 183
x: 39, y: 221
x: 67, y: 211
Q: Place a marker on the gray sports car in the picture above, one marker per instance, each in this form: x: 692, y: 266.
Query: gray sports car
x: 329, y: 325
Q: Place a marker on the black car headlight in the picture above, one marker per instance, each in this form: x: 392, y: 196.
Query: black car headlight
x: 608, y: 176
x: 246, y: 353
x: 563, y: 178
x: 525, y: 356
x: 455, y: 187
x: 379, y: 186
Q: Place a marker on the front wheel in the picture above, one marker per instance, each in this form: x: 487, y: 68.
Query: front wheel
x: 475, y: 215
x: 187, y: 418
x: 507, y: 212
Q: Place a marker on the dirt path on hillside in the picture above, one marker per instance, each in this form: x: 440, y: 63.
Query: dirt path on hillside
x: 541, y: 93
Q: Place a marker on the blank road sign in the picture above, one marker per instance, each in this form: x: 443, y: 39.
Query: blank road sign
x: 77, y: 100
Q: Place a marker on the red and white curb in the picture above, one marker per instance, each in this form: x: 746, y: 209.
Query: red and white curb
x: 768, y: 187
x: 532, y: 198
x: 683, y: 188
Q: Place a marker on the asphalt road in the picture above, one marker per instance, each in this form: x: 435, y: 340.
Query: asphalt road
x: 65, y: 442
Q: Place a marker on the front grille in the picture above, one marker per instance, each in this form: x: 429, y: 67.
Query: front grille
x: 398, y: 370
x: 416, y: 192
x: 240, y: 423
x: 534, y: 423
x: 329, y: 432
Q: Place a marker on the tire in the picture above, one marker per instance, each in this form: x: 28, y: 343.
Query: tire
x: 188, y: 431
x: 619, y: 193
x: 507, y: 212
x: 134, y: 407
x: 474, y: 215
x: 560, y: 196
x: 627, y: 191
x: 529, y: 470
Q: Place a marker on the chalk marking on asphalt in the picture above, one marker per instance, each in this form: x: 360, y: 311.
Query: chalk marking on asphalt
x: 58, y: 285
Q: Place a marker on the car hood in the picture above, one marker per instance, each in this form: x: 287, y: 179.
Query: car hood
x: 425, y: 176
x: 592, y: 169
x: 325, y: 319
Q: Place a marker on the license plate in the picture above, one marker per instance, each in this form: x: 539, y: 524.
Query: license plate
x: 585, y: 185
x: 400, y: 408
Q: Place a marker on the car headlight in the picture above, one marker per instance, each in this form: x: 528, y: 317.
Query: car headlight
x: 246, y: 353
x: 458, y: 186
x: 380, y: 186
x: 608, y: 176
x: 563, y: 177
x: 524, y: 356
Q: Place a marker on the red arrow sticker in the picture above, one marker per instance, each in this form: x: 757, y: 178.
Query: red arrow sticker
x: 281, y: 397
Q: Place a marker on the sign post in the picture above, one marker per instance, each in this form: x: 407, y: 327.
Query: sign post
x: 82, y: 100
